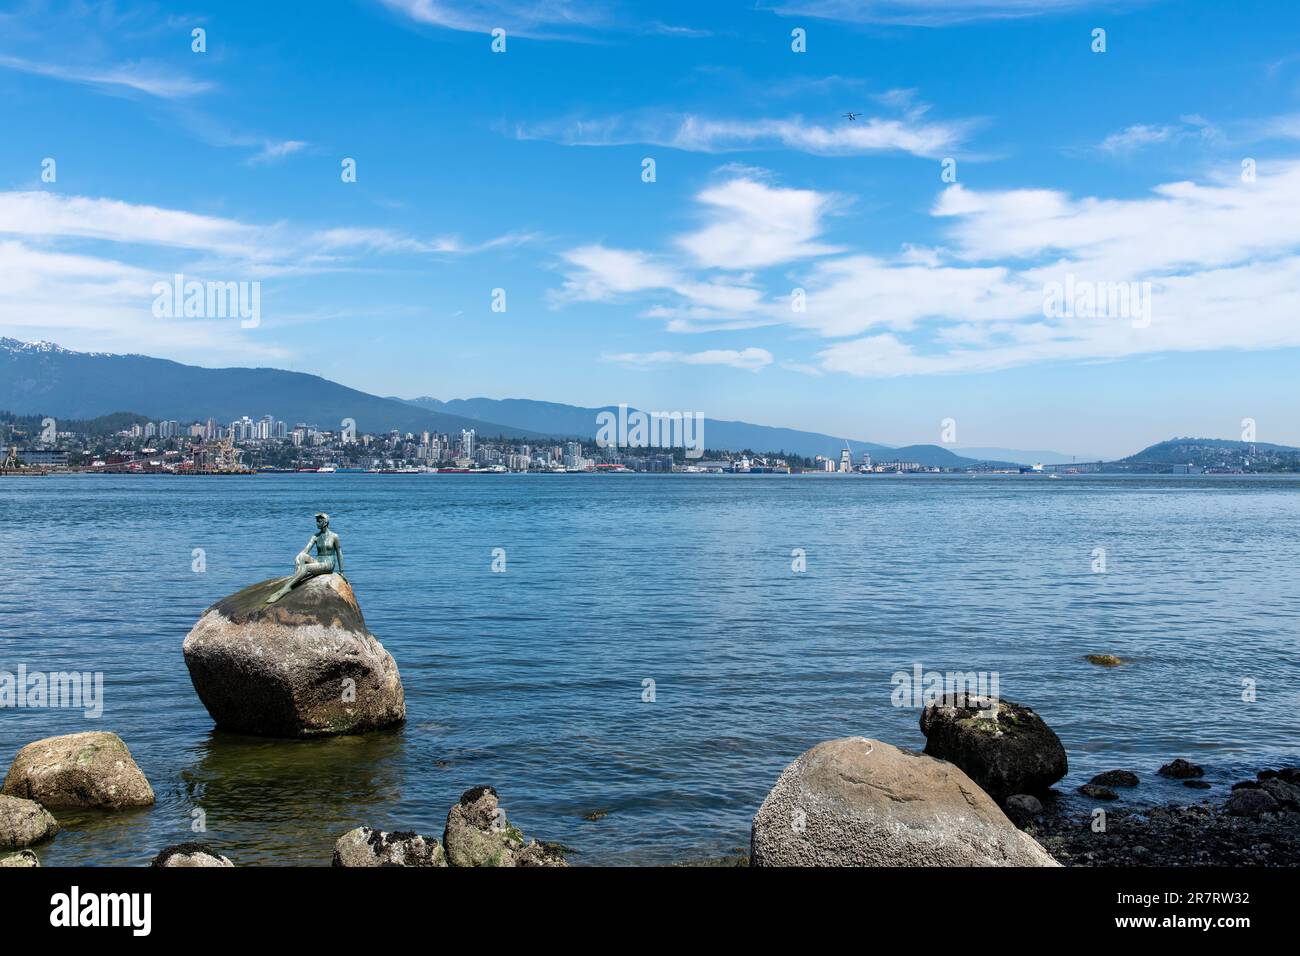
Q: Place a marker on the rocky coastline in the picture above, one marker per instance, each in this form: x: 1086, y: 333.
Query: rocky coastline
x: 1257, y: 824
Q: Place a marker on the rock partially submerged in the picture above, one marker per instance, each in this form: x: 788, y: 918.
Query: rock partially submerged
x: 1115, y: 778
x: 1180, y: 769
x: 860, y: 802
x: 478, y: 834
x: 23, y: 858
x: 190, y: 854
x: 24, y: 822
x: 305, y: 666
x: 92, y: 769
x: 1016, y: 752
x: 1103, y: 660
x: 1097, y: 792
x: 366, y: 846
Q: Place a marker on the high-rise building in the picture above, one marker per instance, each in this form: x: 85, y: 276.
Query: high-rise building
x: 467, y: 443
x: 846, y: 460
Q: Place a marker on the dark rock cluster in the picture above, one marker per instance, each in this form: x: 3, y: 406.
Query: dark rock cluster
x: 1258, y: 825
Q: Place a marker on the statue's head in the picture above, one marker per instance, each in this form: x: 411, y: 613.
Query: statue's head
x: 322, y: 520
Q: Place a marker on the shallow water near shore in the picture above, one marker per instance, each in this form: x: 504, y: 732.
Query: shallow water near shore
x: 532, y: 680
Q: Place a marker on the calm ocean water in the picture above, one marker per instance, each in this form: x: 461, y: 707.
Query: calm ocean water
x: 531, y: 680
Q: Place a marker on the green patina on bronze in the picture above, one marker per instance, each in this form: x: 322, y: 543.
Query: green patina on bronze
x: 329, y: 558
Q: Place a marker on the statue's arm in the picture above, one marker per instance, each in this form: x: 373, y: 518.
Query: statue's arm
x: 338, y: 556
x: 306, y: 550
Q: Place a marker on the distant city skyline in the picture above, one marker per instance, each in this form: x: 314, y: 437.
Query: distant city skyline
x: 1029, y: 235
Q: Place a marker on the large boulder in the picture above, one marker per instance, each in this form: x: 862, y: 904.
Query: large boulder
x: 24, y: 822
x: 1014, y: 752
x: 365, y: 846
x: 92, y: 769
x: 860, y: 802
x: 305, y: 666
x: 189, y: 855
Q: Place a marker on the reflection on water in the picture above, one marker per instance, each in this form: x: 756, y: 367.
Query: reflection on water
x: 340, y: 780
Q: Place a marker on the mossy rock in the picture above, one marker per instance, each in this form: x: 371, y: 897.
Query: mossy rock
x: 1104, y: 660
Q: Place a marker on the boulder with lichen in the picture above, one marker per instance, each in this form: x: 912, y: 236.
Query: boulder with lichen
x: 479, y: 834
x: 190, y: 855
x: 24, y: 822
x: 366, y: 846
x: 91, y: 770
x: 305, y: 666
x: 1003, y: 746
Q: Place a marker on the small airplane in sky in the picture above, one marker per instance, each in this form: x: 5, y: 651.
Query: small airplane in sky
x: 851, y: 116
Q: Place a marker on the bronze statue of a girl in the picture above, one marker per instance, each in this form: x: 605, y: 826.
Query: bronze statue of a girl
x: 329, y: 558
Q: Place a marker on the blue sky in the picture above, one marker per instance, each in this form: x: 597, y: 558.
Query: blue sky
x: 523, y: 171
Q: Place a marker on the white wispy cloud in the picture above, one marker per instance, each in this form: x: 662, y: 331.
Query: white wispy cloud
x: 1141, y: 135
x: 83, y: 268
x: 877, y: 134
x: 752, y: 224
x: 1279, y: 127
x: 1135, y: 137
x: 272, y: 151
x: 155, y: 80
x: 930, y: 13
x: 388, y: 240
x: 1221, y: 256
x: 517, y: 17
x: 101, y: 303
x: 748, y: 224
x: 48, y: 214
x: 750, y: 359
x: 54, y: 215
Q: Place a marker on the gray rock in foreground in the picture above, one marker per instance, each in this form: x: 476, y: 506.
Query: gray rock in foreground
x: 861, y: 802
x: 1015, y: 753
x: 305, y: 666
x: 24, y: 822
x: 189, y: 855
x: 92, y: 769
x: 23, y: 858
x: 365, y: 846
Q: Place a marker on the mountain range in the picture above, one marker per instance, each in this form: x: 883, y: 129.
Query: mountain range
x: 43, y: 378
x: 47, y: 379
